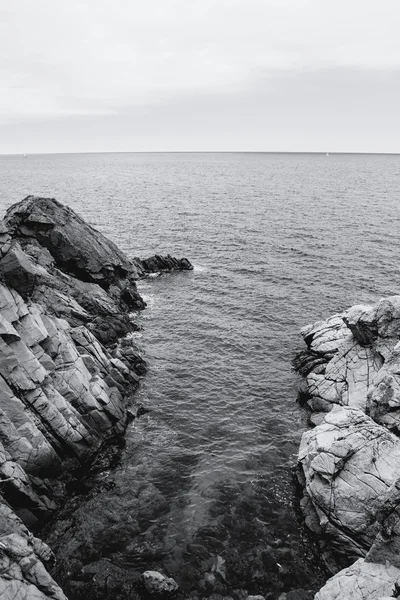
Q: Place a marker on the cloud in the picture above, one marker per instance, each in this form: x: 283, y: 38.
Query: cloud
x: 103, y: 57
x: 341, y: 109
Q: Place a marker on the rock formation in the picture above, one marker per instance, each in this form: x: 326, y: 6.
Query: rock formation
x: 349, y: 464
x: 159, y: 585
x: 67, y: 371
x: 157, y: 264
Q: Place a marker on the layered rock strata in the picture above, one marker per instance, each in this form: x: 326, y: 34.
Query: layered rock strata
x: 349, y: 464
x: 67, y: 368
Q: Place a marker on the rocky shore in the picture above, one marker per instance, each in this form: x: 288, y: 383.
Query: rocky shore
x: 349, y: 463
x: 68, y: 372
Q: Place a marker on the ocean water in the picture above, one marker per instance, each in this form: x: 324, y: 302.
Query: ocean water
x: 277, y: 241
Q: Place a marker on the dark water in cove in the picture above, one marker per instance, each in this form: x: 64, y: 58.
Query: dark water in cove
x: 277, y: 241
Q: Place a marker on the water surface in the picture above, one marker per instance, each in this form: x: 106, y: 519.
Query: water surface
x: 277, y: 241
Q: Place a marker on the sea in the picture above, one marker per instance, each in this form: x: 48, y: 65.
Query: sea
x: 277, y: 241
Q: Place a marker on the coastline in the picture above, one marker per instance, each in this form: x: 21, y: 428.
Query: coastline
x: 68, y: 373
x: 349, y: 463
x: 66, y: 305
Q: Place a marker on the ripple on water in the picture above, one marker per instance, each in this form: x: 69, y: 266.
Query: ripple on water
x: 277, y: 241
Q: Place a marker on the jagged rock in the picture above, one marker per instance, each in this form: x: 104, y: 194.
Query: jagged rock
x: 362, y: 581
x: 346, y: 352
x: 349, y: 464
x: 57, y: 393
x: 347, y: 376
x: 307, y: 361
x: 17, y: 489
x: 52, y: 406
x: 18, y: 271
x: 58, y: 397
x: 76, y: 247
x: 158, y: 263
x: 66, y: 370
x: 386, y: 546
x: 324, y: 337
x: 58, y: 259
x: 159, y: 585
x: 362, y: 323
x: 23, y: 575
x: 384, y: 393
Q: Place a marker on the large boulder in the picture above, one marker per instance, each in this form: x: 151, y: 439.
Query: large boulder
x: 64, y: 264
x: 76, y: 247
x: 352, y: 360
x: 362, y: 581
x: 350, y: 465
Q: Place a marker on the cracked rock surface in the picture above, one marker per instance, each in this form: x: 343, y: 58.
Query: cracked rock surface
x: 362, y: 581
x: 67, y: 369
x: 349, y: 464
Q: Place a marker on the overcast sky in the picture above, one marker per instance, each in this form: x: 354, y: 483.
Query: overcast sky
x: 256, y: 75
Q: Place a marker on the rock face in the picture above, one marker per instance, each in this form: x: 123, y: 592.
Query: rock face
x: 69, y: 268
x: 362, y: 581
x: 67, y: 368
x: 22, y: 572
x: 349, y: 464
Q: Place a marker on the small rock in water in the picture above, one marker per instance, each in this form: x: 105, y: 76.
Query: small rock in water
x: 159, y: 585
x: 210, y: 580
x: 219, y: 567
x: 297, y: 595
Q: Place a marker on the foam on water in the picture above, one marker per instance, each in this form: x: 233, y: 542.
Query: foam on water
x: 199, y: 268
x: 277, y: 241
x: 150, y: 299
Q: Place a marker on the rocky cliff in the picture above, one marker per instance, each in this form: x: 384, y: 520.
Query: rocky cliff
x: 68, y: 369
x: 349, y: 464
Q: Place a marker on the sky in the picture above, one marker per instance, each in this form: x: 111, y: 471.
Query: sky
x: 199, y: 75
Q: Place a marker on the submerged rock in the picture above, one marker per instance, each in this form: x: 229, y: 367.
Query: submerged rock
x: 159, y: 585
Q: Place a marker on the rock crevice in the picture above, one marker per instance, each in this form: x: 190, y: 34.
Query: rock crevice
x: 349, y: 464
x: 68, y: 369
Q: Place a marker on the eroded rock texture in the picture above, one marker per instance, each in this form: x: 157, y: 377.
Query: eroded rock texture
x: 349, y: 464
x: 67, y: 366
x: 23, y: 575
x: 362, y: 581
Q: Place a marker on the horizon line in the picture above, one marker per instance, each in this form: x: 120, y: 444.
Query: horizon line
x: 323, y: 152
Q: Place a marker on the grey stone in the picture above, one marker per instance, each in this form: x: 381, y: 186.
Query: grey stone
x: 361, y: 581
x: 159, y: 585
